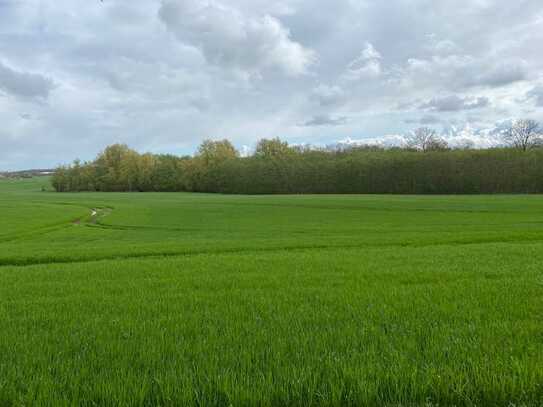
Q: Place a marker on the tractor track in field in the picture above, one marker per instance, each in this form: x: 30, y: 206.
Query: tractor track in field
x: 41, y: 231
x: 96, y: 213
x: 28, y: 262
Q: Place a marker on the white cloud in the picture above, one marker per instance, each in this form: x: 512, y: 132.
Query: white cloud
x: 228, y: 37
x: 455, y: 136
x: 369, y: 53
x: 161, y: 75
x: 455, y: 103
x: 366, y: 66
x: 386, y: 141
x: 446, y: 47
x: 328, y: 95
x: 537, y: 95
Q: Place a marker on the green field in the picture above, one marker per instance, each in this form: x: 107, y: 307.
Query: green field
x: 194, y: 299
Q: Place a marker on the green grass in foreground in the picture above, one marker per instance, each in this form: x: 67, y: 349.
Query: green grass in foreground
x: 185, y: 299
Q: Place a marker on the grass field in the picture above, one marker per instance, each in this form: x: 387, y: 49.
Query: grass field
x: 187, y: 299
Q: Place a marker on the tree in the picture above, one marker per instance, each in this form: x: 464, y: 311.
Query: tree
x: 215, y: 152
x: 426, y: 139
x: 60, y: 179
x: 274, y: 148
x: 524, y: 135
x: 115, y: 168
x: 273, y: 159
x: 168, y: 174
x: 128, y: 171
x: 210, y: 157
x: 218, y: 168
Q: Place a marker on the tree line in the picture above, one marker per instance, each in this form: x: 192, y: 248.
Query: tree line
x: 427, y: 165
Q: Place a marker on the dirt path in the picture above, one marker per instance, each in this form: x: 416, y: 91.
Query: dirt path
x: 94, y: 216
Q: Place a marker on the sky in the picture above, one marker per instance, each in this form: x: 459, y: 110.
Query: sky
x: 163, y: 75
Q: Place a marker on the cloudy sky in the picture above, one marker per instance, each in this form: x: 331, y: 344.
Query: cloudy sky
x: 162, y: 75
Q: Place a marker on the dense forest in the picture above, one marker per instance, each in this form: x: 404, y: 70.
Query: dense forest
x: 425, y: 166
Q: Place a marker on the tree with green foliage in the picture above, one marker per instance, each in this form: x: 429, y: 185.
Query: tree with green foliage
x: 116, y: 168
x: 210, y: 156
x: 272, y: 148
x: 59, y: 180
x: 277, y: 168
x: 215, y: 152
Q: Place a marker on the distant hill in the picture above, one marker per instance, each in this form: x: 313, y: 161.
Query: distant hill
x: 26, y: 173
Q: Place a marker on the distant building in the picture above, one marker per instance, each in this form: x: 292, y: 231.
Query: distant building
x: 27, y: 173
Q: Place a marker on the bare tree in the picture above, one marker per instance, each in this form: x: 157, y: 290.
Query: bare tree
x: 524, y: 135
x: 426, y: 139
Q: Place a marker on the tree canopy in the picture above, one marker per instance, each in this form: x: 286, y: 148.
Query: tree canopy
x: 426, y: 166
